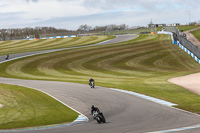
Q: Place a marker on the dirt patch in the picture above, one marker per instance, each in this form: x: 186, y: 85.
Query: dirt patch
x: 189, y: 82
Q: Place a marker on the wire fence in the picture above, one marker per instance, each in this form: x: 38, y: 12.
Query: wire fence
x: 131, y: 31
x: 181, y: 37
x: 12, y: 38
x: 82, y: 33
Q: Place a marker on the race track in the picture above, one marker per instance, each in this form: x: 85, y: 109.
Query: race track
x: 118, y: 39
x: 124, y: 113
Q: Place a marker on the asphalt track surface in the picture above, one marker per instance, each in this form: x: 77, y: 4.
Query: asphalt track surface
x: 124, y: 113
x: 119, y: 38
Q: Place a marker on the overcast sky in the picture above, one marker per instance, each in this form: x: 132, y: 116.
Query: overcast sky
x: 70, y: 14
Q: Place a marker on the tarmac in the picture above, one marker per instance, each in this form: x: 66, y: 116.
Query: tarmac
x: 124, y: 113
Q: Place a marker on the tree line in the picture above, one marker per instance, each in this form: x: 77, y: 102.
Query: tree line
x: 22, y: 33
x: 39, y: 32
x: 86, y: 28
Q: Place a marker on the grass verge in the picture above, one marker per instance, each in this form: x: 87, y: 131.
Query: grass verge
x: 24, y: 107
x: 196, y: 34
x: 21, y: 46
x: 141, y: 65
x: 186, y: 28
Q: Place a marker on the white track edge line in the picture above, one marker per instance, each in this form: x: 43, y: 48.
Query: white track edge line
x: 177, y: 129
x: 78, y: 120
x: 167, y: 130
x: 155, y: 100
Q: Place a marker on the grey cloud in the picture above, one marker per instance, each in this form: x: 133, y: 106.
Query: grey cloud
x: 140, y: 13
x: 32, y: 1
x: 143, y: 4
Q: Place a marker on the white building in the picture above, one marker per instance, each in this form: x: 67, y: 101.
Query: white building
x: 151, y: 25
x: 174, y: 24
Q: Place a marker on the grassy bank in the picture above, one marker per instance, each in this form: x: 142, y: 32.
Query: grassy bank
x: 24, y: 107
x: 21, y: 46
x: 141, y: 65
x: 186, y: 28
x: 196, y: 34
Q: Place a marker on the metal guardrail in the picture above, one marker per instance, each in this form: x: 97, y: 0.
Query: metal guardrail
x: 190, y: 46
x: 178, y: 36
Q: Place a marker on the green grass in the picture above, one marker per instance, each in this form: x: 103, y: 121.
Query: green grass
x: 138, y: 31
x: 196, y: 34
x: 24, y: 107
x: 21, y: 46
x: 133, y: 31
x: 141, y: 65
x: 186, y: 28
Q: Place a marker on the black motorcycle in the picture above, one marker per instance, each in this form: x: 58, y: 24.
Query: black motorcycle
x: 92, y: 84
x: 98, y: 116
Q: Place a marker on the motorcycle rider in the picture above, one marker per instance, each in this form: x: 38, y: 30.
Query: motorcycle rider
x: 91, y: 80
x: 7, y: 56
x: 97, y: 115
x: 94, y: 109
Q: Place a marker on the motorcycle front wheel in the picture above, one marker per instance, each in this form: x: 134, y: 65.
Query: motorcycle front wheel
x: 98, y: 120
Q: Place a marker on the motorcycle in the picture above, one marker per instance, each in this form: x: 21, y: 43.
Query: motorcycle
x: 92, y: 84
x: 99, y: 117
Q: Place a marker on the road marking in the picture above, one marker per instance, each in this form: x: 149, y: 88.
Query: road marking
x: 163, y: 103
x: 177, y: 129
x: 147, y: 97
x: 79, y: 120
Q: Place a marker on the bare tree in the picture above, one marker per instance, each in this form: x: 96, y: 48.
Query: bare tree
x: 22, y: 33
x: 99, y: 28
x: 123, y: 27
x: 85, y: 28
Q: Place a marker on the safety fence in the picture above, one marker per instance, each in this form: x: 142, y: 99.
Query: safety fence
x: 50, y: 37
x: 182, y: 42
x: 141, y: 30
x: 131, y: 31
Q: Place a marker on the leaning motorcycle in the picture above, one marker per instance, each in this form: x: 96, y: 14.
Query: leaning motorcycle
x: 99, y: 117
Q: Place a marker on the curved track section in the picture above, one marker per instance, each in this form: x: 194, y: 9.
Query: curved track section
x: 124, y: 113
x: 118, y: 39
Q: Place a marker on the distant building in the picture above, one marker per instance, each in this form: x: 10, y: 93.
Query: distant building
x: 160, y: 25
x: 151, y: 25
x: 155, y: 25
x: 134, y: 27
x: 175, y: 24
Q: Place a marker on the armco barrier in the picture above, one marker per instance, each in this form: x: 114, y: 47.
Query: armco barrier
x: 51, y: 37
x: 188, y: 51
x: 180, y: 45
